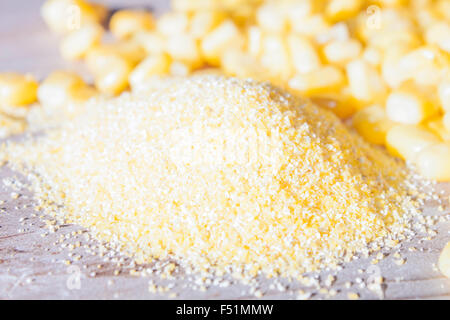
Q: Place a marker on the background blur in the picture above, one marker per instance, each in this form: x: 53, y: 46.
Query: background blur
x: 26, y: 44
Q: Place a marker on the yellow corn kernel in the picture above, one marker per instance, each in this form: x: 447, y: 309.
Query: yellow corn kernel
x: 408, y: 105
x: 128, y: 50
x: 271, y: 18
x: 125, y: 23
x: 437, y: 126
x: 444, y: 261
x: 275, y: 57
x: 151, y: 41
x: 58, y: 89
x: 341, y: 52
x: 365, y: 82
x: 433, y: 162
x: 323, y: 80
x: 337, y: 32
x: 17, y: 89
x: 241, y: 64
x: 340, y: 103
x: 202, y: 22
x: 444, y: 94
x: 152, y: 65
x: 63, y: 16
x: 443, y: 7
x: 311, y: 26
x: 254, y: 41
x: 446, y: 120
x: 373, y: 56
x: 184, y: 48
x: 111, y: 70
x: 180, y: 69
x: 425, y: 65
x: 439, y: 34
x: 406, y: 141
x: 372, y: 124
x: 223, y: 37
x: 77, y: 43
x: 303, y: 53
x: 338, y: 10
x: 11, y: 125
x: 172, y: 23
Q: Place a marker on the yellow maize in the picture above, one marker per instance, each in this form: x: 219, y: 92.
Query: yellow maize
x: 341, y: 52
x: 303, y: 53
x: 433, y: 162
x: 125, y: 23
x: 151, y: 41
x: 323, y: 80
x: 444, y: 261
x: 172, y: 23
x: 366, y: 84
x: 223, y: 37
x: 77, y: 43
x: 184, y: 48
x: 152, y: 65
x: 406, y: 141
x: 372, y: 124
x: 63, y: 16
x: 17, y: 89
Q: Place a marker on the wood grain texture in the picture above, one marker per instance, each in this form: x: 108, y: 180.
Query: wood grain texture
x: 32, y: 266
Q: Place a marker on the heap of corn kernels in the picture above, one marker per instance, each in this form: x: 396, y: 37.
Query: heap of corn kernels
x: 224, y: 174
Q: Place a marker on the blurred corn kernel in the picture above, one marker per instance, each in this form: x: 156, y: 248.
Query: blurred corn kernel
x: 373, y: 124
x: 125, y: 23
x: 433, y: 162
x: 77, y: 43
x: 17, y: 89
x: 63, y: 16
x: 407, y: 141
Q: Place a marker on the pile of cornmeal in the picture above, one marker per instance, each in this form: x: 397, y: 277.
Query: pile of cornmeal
x: 221, y: 174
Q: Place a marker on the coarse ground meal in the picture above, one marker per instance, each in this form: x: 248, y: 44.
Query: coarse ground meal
x: 221, y: 174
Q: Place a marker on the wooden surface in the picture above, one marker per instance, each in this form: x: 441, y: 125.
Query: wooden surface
x: 32, y: 266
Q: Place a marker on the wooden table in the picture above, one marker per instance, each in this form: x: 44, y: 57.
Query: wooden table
x: 33, y: 267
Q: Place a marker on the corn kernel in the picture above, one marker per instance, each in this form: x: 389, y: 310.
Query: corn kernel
x: 409, y: 106
x: 180, y: 69
x: 17, y: 89
x: 437, y: 126
x: 152, y: 65
x: 446, y: 120
x: 77, y: 43
x: 58, y: 88
x: 254, y: 41
x: 271, y: 18
x: 125, y: 23
x: 275, y: 57
x: 184, y: 48
x: 373, y: 56
x: 241, y: 64
x: 173, y: 23
x: 341, y: 52
x: 340, y: 103
x: 10, y: 125
x: 372, y: 124
x: 202, y: 22
x: 337, y: 32
x: 444, y: 261
x: 63, y: 16
x: 433, y: 162
x: 406, y: 141
x: 439, y: 34
x: 444, y: 95
x: 325, y: 79
x: 110, y: 68
x: 152, y: 42
x: 311, y: 26
x: 223, y: 37
x: 338, y: 10
x: 365, y: 82
x: 303, y: 53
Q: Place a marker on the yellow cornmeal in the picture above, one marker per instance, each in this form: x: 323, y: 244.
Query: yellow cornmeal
x: 222, y: 174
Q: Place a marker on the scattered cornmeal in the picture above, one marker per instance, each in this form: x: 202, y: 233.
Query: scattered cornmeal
x: 222, y: 174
